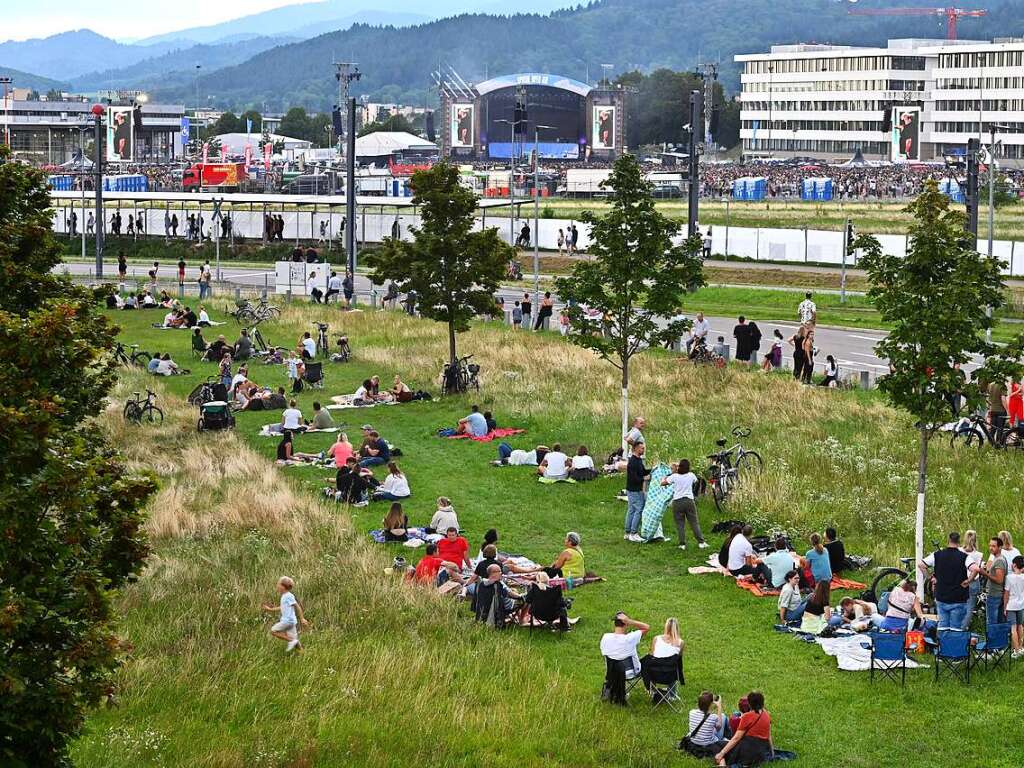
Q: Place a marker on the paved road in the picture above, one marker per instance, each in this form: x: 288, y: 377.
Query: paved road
x: 852, y: 348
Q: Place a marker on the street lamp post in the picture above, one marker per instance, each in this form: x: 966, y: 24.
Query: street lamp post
x: 97, y: 112
x: 992, y: 128
x: 511, y: 182
x: 536, y: 210
x: 81, y: 178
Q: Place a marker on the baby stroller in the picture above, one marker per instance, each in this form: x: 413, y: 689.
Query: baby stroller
x: 216, y: 414
x: 314, y: 375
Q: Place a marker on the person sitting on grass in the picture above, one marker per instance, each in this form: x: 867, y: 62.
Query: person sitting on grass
x: 444, y: 517
x: 706, y: 729
x: 291, y: 615
x: 474, y: 425
x: 374, y: 451
x: 454, y: 548
x: 199, y: 343
x: 836, y: 551
x: 341, y: 451
x: 817, y: 611
x: 742, y: 561
x: 321, y: 418
x: 167, y: 367
x: 817, y: 558
x: 153, y: 364
x: 582, y: 468
x: 428, y: 566
x: 400, y: 391
x: 791, y: 604
x: 831, y: 378
x: 554, y: 467
x: 780, y: 563
x: 291, y: 418
x: 243, y: 347
x: 362, y: 394
x: 751, y: 744
x: 215, y: 352
x: 287, y: 455
x: 904, y: 605
x: 394, y: 487
x: 351, y: 484
x: 396, y: 524
x: 569, y: 563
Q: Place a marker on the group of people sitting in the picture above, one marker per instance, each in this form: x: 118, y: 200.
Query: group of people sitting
x: 214, y: 352
x: 181, y: 316
x: 163, y: 365
x: 370, y: 393
x: 141, y: 300
x: 476, y: 424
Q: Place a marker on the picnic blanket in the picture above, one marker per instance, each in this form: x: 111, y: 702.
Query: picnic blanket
x: 658, y: 499
x: 275, y: 430
x: 346, y: 401
x: 492, y: 435
x: 416, y: 537
x: 853, y: 652
x: 744, y: 582
x: 553, y: 480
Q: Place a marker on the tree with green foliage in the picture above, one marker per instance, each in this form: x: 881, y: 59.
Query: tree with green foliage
x: 255, y: 117
x: 70, y: 512
x: 935, y: 301
x: 227, y: 123
x: 390, y: 123
x: 634, y: 278
x: 454, y: 270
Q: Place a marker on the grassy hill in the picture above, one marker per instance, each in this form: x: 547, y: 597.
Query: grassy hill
x: 394, y: 676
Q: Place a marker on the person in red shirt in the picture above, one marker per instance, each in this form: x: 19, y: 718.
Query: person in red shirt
x: 454, y: 548
x: 751, y: 743
x: 341, y: 450
x: 427, y: 568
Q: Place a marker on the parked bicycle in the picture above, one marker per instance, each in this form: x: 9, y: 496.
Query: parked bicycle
x: 700, y: 354
x: 974, y: 431
x: 514, y: 271
x: 460, y: 377
x: 137, y: 357
x: 139, y: 411
x: 323, y: 344
x: 724, y: 472
x: 247, y: 313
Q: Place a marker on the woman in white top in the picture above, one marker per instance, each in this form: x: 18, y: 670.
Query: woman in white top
x: 291, y: 418
x: 684, y: 505
x: 974, y: 558
x: 582, y: 465
x: 669, y: 643
x: 444, y: 518
x: 1009, y: 551
x: 554, y: 465
x: 395, y: 486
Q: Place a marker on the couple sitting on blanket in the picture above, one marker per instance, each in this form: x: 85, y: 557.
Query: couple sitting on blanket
x: 476, y: 424
x: 369, y: 392
x: 814, y: 614
x: 743, y: 739
x: 291, y: 418
x: 557, y: 466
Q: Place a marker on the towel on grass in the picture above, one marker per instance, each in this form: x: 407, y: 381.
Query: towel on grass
x: 553, y: 480
x: 492, y: 435
x: 744, y: 582
x: 275, y: 430
x: 851, y: 654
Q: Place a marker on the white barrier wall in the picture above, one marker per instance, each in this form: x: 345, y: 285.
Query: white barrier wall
x: 795, y: 246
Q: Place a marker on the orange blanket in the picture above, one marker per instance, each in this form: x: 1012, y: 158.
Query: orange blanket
x: 762, y: 591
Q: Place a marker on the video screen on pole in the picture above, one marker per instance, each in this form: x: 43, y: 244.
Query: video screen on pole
x: 462, y: 125
x: 120, y: 135
x: 906, y: 134
x: 603, y: 129
x: 560, y: 111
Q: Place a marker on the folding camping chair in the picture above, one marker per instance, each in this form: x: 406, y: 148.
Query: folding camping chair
x: 994, y: 651
x: 619, y: 679
x: 663, y: 676
x: 889, y: 655
x: 314, y: 375
x: 953, y: 655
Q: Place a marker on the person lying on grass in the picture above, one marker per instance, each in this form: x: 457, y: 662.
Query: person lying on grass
x: 286, y: 454
x: 517, y: 457
x: 751, y: 744
x: 291, y: 615
x: 569, y: 563
x: 394, y: 487
x: 857, y: 615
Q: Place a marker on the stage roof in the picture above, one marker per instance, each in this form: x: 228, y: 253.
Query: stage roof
x: 533, y: 78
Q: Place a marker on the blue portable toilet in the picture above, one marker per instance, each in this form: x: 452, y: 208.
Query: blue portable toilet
x: 757, y: 188
x: 951, y: 188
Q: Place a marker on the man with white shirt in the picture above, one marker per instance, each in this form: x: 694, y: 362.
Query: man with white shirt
x: 554, y: 466
x: 808, y: 311
x: 621, y: 643
x: 742, y: 560
x: 291, y: 418
x: 698, y: 332
x: 240, y: 378
x: 311, y: 288
x: 333, y: 287
x: 308, y: 347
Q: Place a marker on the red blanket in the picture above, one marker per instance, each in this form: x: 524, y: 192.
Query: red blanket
x: 492, y: 435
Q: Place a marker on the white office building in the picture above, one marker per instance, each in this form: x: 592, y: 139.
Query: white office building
x: 913, y: 100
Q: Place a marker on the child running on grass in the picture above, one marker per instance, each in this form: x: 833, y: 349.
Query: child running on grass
x: 287, y: 628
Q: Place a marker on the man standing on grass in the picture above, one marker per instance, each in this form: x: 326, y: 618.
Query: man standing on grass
x: 949, y: 568
x: 636, y: 476
x: 808, y: 311
x: 636, y: 435
x: 994, y: 573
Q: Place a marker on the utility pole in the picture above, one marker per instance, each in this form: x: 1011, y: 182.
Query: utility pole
x: 709, y: 74
x: 97, y: 112
x: 350, y: 190
x: 848, y: 237
x: 971, y: 195
x: 6, y: 83
x: 536, y: 210
x: 696, y: 111
x: 346, y: 73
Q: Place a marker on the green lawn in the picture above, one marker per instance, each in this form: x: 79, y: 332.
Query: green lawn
x: 392, y: 676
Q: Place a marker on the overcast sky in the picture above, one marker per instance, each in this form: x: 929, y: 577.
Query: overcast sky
x: 22, y: 19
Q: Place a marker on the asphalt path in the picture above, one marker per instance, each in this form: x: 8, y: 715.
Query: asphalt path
x: 853, y: 348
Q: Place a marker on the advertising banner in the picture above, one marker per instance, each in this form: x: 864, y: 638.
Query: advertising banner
x: 120, y: 135
x: 906, y: 134
x: 206, y: 152
x: 248, y: 155
x: 186, y: 132
x: 462, y: 125
x: 268, y: 150
x: 603, y: 127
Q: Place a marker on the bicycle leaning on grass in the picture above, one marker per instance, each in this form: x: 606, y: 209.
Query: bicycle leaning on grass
x: 729, y: 465
x: 138, y: 411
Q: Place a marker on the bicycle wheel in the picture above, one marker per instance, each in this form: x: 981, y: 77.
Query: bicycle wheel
x: 141, y: 359
x: 271, y: 313
x: 887, y: 580
x: 720, y: 492
x: 152, y: 415
x: 973, y: 437
x: 132, y: 412
x: 749, y: 462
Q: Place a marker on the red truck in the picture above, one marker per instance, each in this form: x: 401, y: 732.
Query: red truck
x: 224, y: 176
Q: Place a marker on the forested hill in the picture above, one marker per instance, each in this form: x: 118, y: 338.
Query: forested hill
x: 630, y: 34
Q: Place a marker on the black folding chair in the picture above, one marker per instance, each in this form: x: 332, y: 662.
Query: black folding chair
x: 547, y: 606
x: 994, y: 651
x: 662, y: 678
x: 314, y: 375
x: 619, y: 679
x: 889, y: 656
x: 953, y: 655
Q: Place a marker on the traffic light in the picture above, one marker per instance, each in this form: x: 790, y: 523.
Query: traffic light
x: 851, y: 235
x: 971, y: 193
x: 431, y: 134
x: 339, y: 127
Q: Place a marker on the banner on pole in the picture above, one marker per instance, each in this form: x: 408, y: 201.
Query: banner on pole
x: 186, y: 132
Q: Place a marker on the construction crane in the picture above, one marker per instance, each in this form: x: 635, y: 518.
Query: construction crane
x: 952, y: 15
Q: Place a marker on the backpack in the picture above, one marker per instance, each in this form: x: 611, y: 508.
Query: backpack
x: 697, y: 750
